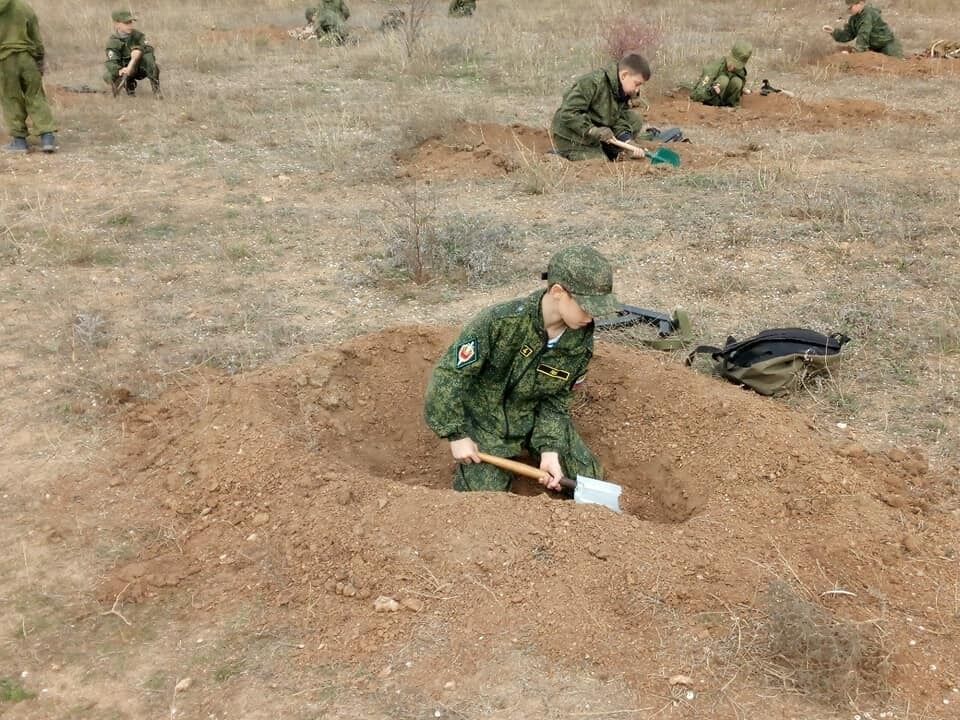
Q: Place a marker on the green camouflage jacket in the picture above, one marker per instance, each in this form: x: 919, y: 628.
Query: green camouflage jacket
x: 866, y: 27
x: 337, y: 8
x: 595, y: 99
x: 19, y: 30
x: 702, y: 91
x: 500, y: 380
x: 119, y: 48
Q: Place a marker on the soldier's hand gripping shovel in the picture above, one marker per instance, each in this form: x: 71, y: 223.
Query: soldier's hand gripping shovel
x: 660, y: 156
x: 585, y: 489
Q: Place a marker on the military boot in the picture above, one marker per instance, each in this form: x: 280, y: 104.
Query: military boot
x: 157, y: 92
x: 16, y: 145
x: 48, y: 142
x: 130, y: 85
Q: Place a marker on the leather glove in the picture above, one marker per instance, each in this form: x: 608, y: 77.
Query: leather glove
x: 601, y: 133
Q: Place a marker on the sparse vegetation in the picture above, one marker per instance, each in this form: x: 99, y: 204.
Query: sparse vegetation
x: 12, y: 691
x: 426, y: 246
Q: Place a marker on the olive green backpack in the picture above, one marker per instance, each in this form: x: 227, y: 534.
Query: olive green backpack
x: 775, y: 362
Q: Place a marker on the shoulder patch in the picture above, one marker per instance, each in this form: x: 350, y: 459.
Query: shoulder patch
x: 553, y: 372
x: 467, y: 353
x: 526, y: 351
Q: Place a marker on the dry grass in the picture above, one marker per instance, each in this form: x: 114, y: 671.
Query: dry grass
x: 234, y: 223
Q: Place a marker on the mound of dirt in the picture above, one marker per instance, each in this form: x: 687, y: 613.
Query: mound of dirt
x: 317, y: 489
x: 869, y: 63
x: 772, y: 111
x: 258, y: 34
x: 488, y: 150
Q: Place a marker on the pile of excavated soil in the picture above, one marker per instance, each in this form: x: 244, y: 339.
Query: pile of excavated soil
x: 317, y: 490
x: 869, y: 63
x: 258, y: 34
x: 771, y: 111
x: 489, y: 150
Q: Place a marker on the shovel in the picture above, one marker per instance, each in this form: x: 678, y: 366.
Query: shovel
x: 660, y: 156
x: 585, y: 489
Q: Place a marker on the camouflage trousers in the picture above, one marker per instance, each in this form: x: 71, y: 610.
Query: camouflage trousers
x: 892, y: 48
x: 462, y: 8
x: 22, y: 95
x: 731, y: 90
x: 147, y: 68
x: 330, y: 24
x: 575, y: 459
x: 579, y: 151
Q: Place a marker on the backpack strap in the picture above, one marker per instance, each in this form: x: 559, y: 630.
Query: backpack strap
x: 714, y: 351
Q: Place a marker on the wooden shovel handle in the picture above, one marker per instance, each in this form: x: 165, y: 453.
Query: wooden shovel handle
x: 626, y: 145
x: 519, y: 468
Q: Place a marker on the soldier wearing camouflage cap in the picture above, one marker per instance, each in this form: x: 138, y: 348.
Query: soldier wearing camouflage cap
x: 868, y: 29
x: 129, y: 57
x: 505, y: 386
x: 723, y: 81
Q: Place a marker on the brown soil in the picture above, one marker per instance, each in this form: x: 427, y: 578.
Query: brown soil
x: 489, y: 150
x: 772, y: 111
x: 317, y: 488
x: 256, y: 34
x: 870, y: 63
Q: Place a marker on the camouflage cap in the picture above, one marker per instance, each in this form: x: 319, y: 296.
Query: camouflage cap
x: 740, y: 53
x: 122, y: 16
x: 587, y: 275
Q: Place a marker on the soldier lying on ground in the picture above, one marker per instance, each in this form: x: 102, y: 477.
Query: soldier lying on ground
x: 21, y: 78
x: 129, y: 57
x: 329, y: 20
x: 722, y: 82
x: 505, y: 386
x: 595, y: 111
x: 868, y: 29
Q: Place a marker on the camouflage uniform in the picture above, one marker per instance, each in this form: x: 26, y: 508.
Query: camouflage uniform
x: 502, y: 385
x: 731, y: 82
x: 871, y: 32
x: 119, y: 50
x: 462, y: 8
x: 329, y: 18
x: 595, y: 100
x: 21, y: 79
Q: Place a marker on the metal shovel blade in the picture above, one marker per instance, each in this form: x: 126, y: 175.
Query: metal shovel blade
x: 664, y: 156
x: 597, y: 492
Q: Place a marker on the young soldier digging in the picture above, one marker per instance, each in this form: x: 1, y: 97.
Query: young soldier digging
x: 21, y: 78
x: 868, y: 29
x: 504, y: 387
x: 129, y: 58
x: 722, y: 81
x: 595, y: 111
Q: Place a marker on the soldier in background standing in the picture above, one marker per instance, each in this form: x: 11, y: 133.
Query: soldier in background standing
x: 21, y: 78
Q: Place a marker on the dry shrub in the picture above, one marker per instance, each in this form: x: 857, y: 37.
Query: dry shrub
x: 424, y: 246
x: 630, y: 34
x: 811, y: 650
